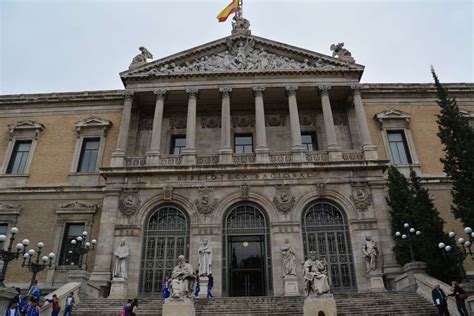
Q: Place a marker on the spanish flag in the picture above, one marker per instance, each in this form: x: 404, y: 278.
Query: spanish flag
x: 233, y: 7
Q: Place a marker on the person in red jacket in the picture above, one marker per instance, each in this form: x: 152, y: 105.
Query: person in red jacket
x: 54, y: 305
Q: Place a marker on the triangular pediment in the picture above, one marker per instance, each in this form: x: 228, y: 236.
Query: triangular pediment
x: 240, y: 54
x: 393, y: 114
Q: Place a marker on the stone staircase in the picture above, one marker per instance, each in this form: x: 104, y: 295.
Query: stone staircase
x: 390, y: 303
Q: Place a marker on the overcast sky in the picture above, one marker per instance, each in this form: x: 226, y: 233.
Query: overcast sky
x: 71, y: 45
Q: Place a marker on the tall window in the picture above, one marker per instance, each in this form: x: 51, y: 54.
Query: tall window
x: 19, y: 157
x: 3, y: 229
x: 398, y: 147
x: 243, y: 143
x: 309, y: 141
x: 70, y: 232
x: 88, y: 158
x: 178, y: 143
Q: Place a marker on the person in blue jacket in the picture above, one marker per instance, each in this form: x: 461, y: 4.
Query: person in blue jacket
x: 12, y: 309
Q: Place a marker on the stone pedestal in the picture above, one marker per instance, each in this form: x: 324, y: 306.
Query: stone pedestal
x: 291, y: 285
x: 334, y: 154
x: 203, y: 284
x: 178, y: 307
x: 118, y: 288
x: 6, y: 294
x: 411, y: 269
x: 314, y: 305
x: 80, y: 276
x: 376, y: 283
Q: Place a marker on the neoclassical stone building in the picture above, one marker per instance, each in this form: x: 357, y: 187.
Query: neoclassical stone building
x: 243, y: 141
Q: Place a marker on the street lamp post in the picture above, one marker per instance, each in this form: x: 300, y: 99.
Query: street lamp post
x: 461, y: 251
x: 81, y: 246
x: 409, y: 235
x: 40, y: 263
x: 8, y: 255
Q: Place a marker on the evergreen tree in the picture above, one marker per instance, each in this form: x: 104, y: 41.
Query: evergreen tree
x: 458, y: 139
x: 411, y: 203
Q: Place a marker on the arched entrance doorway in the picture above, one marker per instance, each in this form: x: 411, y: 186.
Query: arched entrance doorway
x: 326, y: 233
x: 246, y: 255
x: 166, y: 236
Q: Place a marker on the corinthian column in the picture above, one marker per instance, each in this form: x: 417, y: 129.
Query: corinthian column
x: 261, y: 148
x: 333, y: 148
x: 297, y: 148
x: 189, y: 153
x: 370, y: 151
x: 118, y: 156
x: 225, y: 152
x: 153, y: 155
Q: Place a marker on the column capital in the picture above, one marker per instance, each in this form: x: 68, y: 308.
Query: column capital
x: 291, y: 90
x: 192, y: 92
x: 355, y: 89
x: 324, y: 89
x: 225, y: 91
x: 160, y: 94
x: 258, y: 91
x: 128, y: 96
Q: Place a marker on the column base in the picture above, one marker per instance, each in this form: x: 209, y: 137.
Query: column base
x: 376, y: 283
x: 261, y: 155
x: 291, y: 285
x: 320, y: 305
x: 189, y: 156
x: 370, y: 152
x: 153, y: 158
x: 178, y: 307
x: 118, y: 288
x: 225, y: 156
x: 118, y: 159
x: 334, y: 153
x: 298, y: 153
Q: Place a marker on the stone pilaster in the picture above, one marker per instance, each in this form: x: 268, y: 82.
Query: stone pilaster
x: 370, y: 151
x: 118, y: 156
x: 261, y: 148
x: 333, y: 148
x: 297, y: 148
x: 153, y: 155
x: 189, y: 153
x: 225, y: 152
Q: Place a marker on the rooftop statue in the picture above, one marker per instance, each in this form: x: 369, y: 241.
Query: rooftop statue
x: 340, y: 52
x: 141, y: 58
x: 240, y: 25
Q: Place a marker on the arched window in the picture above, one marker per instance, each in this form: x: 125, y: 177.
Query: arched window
x: 246, y: 255
x: 166, y: 236
x: 326, y: 234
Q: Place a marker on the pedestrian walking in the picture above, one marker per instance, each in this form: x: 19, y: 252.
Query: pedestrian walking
x: 55, y: 308
x: 197, y: 286
x: 12, y: 309
x: 165, y: 291
x: 134, y: 307
x: 460, y: 295
x: 33, y: 308
x: 440, y: 300
x: 35, y: 291
x: 126, y: 308
x: 210, y: 284
x: 69, y: 304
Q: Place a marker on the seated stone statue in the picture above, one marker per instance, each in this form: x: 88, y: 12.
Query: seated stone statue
x: 316, y: 276
x: 182, y: 280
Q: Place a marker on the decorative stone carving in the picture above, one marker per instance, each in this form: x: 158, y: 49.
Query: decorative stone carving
x: 240, y: 25
x: 392, y: 114
x: 26, y: 125
x: 360, y: 196
x: 244, y: 191
x: 321, y: 188
x: 129, y: 203
x: 370, y: 252
x: 171, y: 161
x: 340, y: 52
x: 210, y: 121
x: 316, y: 276
x: 121, y: 261
x: 93, y: 121
x: 243, y: 121
x: 273, y: 120
x: 205, y: 258
x: 288, y: 259
x: 182, y: 280
x: 241, y: 159
x: 78, y: 205
x: 141, y: 58
x: 207, y: 160
x: 284, y: 200
x: 6, y: 208
x: 168, y: 193
x: 353, y: 156
x: 317, y: 157
x: 178, y: 122
x: 145, y: 124
x: 206, y: 203
x: 307, y: 119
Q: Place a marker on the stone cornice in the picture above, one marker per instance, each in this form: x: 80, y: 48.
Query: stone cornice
x: 414, y: 88
x: 100, y: 95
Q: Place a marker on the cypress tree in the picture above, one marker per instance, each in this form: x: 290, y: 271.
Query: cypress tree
x: 411, y: 203
x: 458, y: 139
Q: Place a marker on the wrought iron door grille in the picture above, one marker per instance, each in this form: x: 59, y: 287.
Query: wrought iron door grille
x: 166, y: 236
x: 326, y: 233
x: 246, y: 219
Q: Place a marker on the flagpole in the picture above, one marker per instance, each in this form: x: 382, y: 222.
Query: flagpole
x: 241, y: 8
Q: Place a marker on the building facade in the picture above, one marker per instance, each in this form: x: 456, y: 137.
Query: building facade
x: 244, y: 141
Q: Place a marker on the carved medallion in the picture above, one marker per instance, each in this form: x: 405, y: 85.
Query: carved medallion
x: 210, y: 122
x: 167, y: 193
x: 129, y: 202
x: 244, y: 191
x: 206, y: 202
x: 177, y: 123
x: 284, y: 200
x: 360, y: 196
